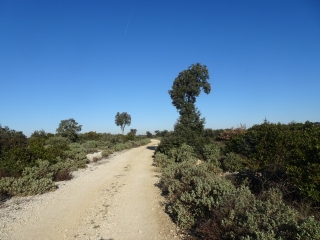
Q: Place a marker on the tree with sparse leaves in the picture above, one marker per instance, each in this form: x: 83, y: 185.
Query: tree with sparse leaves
x: 69, y: 128
x: 122, y: 120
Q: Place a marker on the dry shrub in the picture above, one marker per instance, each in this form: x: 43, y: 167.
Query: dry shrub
x: 3, y: 174
x: 63, y: 175
x: 96, y: 159
x: 232, y: 132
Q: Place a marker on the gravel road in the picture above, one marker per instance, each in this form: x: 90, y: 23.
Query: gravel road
x: 115, y: 198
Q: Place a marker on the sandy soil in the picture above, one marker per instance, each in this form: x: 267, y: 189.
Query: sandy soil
x: 115, y: 198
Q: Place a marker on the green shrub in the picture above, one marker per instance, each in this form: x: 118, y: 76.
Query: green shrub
x: 107, y: 152
x: 161, y: 160
x: 183, y: 153
x: 211, y: 152
x: 193, y: 190
x: 59, y: 142
x: 34, y: 180
x: 232, y: 162
x: 76, y: 152
x: 15, y: 159
x: 292, y: 148
x: 242, y: 216
x: 91, y: 146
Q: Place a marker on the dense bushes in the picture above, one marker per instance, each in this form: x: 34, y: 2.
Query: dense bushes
x: 241, y: 215
x: 292, y: 149
x: 208, y: 205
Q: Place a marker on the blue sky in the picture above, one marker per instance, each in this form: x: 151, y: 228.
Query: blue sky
x: 88, y: 60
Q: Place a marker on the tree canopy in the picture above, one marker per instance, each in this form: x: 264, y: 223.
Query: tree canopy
x: 69, y: 128
x: 122, y: 120
x: 188, y: 85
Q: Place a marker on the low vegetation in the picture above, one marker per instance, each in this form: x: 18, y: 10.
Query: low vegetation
x: 238, y: 183
x: 32, y: 165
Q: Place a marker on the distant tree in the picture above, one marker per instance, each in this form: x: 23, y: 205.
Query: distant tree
x: 164, y: 133
x: 39, y: 134
x: 69, y: 128
x: 133, y: 131
x: 122, y: 120
x: 149, y: 134
x: 10, y: 138
x: 157, y: 132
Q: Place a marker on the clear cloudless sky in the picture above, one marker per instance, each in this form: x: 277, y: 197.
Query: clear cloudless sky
x: 88, y: 60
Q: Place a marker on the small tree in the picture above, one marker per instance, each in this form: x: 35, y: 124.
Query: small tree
x: 122, y: 120
x: 69, y: 128
x: 133, y: 131
x: 149, y: 134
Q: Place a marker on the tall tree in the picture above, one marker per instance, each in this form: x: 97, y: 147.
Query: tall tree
x: 122, y: 120
x: 69, y: 128
x: 189, y: 127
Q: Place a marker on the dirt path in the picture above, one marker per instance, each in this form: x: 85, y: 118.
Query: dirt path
x: 113, y: 199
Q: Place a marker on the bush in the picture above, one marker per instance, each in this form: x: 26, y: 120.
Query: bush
x: 292, y: 148
x: 232, y: 162
x: 243, y: 216
x: 34, y: 180
x: 76, y: 152
x: 91, y: 146
x: 183, y: 153
x: 15, y: 159
x: 161, y: 160
x: 211, y: 153
x: 58, y: 142
x: 62, y: 175
x: 228, y: 134
x: 193, y: 190
x: 107, y: 152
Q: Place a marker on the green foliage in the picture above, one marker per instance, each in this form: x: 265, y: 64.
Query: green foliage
x: 122, y: 120
x: 189, y: 127
x: 149, y: 134
x: 77, y: 154
x: 161, y: 160
x: 193, y: 190
x: 243, y: 216
x: 183, y: 153
x: 40, y: 150
x: 69, y: 128
x: 58, y: 142
x: 15, y: 159
x: 107, y: 152
x: 211, y: 153
x: 92, y: 146
x: 129, y: 137
x: 293, y: 149
x: 188, y: 85
x: 10, y: 138
x: 211, y: 134
x: 161, y: 133
x: 232, y: 162
x: 22, y: 170
x: 228, y: 134
x: 93, y: 136
x: 40, y: 134
x: 34, y: 180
